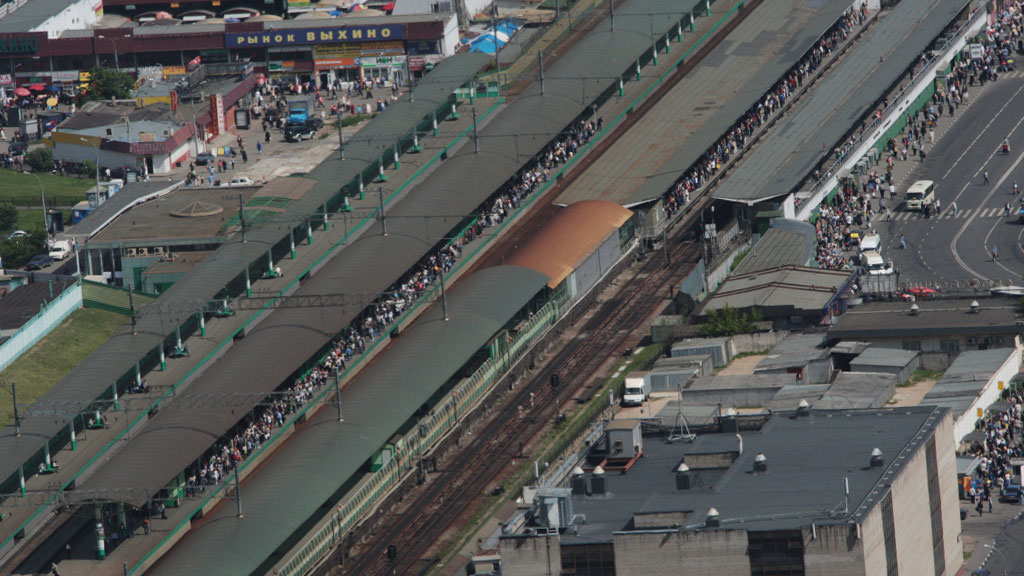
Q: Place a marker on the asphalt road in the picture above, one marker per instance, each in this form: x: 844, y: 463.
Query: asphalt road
x: 1009, y: 555
x: 958, y: 247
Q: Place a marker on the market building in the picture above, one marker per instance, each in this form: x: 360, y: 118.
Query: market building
x: 385, y: 48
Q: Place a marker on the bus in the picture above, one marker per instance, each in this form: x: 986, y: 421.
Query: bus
x: 920, y: 194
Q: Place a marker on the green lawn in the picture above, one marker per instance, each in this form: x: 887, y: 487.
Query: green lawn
x: 23, y: 189
x: 53, y: 357
x: 29, y: 220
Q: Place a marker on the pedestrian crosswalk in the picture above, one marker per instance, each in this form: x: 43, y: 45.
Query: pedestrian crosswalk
x: 948, y: 214
x: 1018, y: 73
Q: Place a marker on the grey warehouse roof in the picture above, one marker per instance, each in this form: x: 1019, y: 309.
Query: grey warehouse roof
x: 842, y: 98
x: 32, y: 14
x: 799, y: 288
x: 131, y: 194
x: 877, y: 356
x: 965, y: 378
x: 942, y: 317
x: 786, y: 243
x: 325, y: 454
x: 843, y: 443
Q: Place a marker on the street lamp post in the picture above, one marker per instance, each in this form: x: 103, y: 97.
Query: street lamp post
x: 14, y: 397
x: 97, y: 146
x: 117, y: 65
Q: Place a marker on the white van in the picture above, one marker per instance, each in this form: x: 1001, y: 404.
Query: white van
x: 60, y: 250
x: 920, y: 194
x: 872, y: 262
x: 871, y: 243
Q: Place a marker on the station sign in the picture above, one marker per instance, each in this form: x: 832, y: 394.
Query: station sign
x: 300, y: 36
x: 19, y: 45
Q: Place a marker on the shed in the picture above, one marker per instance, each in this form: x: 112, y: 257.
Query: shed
x: 718, y: 348
x: 900, y: 363
x: 671, y: 378
x: 703, y: 362
x: 624, y: 439
x: 973, y: 383
x: 799, y: 355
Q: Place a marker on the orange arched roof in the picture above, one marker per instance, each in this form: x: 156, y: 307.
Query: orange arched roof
x: 572, y: 234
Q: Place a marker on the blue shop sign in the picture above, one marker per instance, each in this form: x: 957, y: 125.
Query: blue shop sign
x: 314, y: 36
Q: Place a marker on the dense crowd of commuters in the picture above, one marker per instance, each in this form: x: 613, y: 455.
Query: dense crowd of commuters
x: 736, y: 138
x: 1001, y: 443
x: 219, y: 462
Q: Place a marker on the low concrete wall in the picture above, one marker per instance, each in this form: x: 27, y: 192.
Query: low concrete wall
x: 756, y: 342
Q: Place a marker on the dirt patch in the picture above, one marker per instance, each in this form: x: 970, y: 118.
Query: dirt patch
x: 742, y: 366
x: 912, y: 395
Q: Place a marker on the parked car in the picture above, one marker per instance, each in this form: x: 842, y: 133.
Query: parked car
x: 38, y: 262
x: 1011, y: 491
x: 205, y: 158
x: 298, y: 131
x: 241, y: 181
x: 60, y: 250
x: 17, y: 234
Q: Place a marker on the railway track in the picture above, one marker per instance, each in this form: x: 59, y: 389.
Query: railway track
x: 459, y: 490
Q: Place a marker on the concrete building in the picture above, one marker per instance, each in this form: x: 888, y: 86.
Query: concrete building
x: 973, y: 383
x: 877, y: 494
x: 938, y: 329
x: 800, y: 355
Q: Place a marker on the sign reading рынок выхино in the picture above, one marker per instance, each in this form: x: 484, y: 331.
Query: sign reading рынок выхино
x: 19, y: 45
x: 314, y: 36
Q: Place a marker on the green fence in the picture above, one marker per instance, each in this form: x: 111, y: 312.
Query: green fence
x: 112, y: 298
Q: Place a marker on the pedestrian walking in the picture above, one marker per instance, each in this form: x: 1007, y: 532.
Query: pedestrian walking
x: 980, y: 508
x: 988, y: 499
x: 985, y: 175
x: 954, y: 209
x: 259, y: 146
x: 903, y: 242
x: 995, y: 253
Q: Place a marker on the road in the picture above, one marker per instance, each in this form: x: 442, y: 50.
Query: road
x: 958, y: 247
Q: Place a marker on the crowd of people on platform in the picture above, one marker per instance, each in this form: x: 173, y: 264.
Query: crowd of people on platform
x: 220, y: 461
x: 736, y: 137
x: 1001, y: 443
x: 853, y: 206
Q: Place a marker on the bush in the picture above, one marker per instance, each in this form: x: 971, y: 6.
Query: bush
x: 8, y: 215
x: 18, y: 251
x: 40, y: 159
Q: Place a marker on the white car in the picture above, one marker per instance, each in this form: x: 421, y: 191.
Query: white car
x: 17, y: 234
x: 60, y: 250
x: 241, y: 181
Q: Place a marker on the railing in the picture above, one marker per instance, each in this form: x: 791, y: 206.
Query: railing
x: 35, y: 329
x: 11, y: 7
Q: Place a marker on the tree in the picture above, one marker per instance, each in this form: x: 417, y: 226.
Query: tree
x: 105, y: 84
x: 40, y: 159
x: 728, y: 321
x: 8, y: 215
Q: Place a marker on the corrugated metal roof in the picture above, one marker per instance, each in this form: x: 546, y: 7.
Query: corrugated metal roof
x: 798, y: 287
x: 877, y: 356
x: 569, y: 238
x: 747, y: 49
x: 365, y: 271
x: 789, y: 153
x: 786, y: 243
x: 326, y: 453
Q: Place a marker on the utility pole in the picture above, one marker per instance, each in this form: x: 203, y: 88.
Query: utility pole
x: 341, y: 136
x: 337, y: 391
x: 476, y: 135
x: 241, y: 216
x: 383, y: 217
x: 540, y: 63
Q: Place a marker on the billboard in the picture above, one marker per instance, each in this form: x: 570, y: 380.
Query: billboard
x: 301, y: 36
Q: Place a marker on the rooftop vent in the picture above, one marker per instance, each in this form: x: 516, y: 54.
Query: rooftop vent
x: 712, y: 521
x: 730, y: 413
x: 975, y: 307
x: 597, y: 481
x: 803, y: 408
x: 914, y: 309
x: 683, y: 477
x: 729, y: 422
x: 760, y: 462
x: 578, y: 482
x: 876, y: 458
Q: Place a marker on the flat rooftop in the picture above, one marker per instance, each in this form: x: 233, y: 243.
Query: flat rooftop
x: 152, y: 221
x: 842, y: 440
x: 934, y: 318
